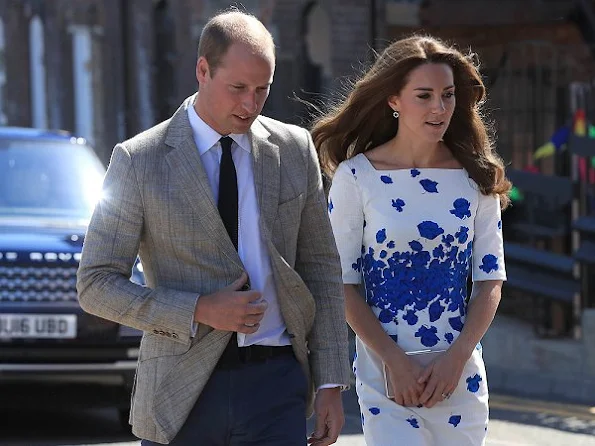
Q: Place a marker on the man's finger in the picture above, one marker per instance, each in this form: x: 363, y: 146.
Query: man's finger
x: 320, y: 428
x: 258, y: 307
x: 247, y: 329
x: 237, y: 284
x: 322, y: 440
x: 313, y: 439
x: 334, y: 429
x: 253, y: 319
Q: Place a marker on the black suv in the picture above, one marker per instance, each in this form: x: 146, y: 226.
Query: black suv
x: 49, y: 184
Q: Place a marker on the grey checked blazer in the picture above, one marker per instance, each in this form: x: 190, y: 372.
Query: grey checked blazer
x: 159, y: 204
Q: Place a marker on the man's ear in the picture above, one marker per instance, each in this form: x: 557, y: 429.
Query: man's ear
x: 202, y: 69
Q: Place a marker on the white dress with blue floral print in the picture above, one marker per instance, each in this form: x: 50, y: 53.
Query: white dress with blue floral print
x: 413, y: 236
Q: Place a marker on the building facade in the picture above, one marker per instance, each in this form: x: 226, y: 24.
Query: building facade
x: 107, y: 69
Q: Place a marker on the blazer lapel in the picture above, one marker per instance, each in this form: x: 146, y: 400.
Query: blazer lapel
x: 267, y: 175
x: 190, y: 175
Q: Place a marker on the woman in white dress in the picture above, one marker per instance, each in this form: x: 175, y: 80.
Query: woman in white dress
x: 415, y: 206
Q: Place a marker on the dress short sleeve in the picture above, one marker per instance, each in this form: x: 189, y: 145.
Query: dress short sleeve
x: 347, y: 219
x: 488, y: 247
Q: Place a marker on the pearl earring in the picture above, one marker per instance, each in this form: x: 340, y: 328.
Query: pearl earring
x: 396, y: 114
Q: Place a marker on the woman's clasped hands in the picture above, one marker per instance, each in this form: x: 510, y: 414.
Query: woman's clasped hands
x: 417, y: 386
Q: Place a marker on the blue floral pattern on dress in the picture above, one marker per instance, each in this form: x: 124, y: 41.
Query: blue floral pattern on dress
x: 398, y: 204
x: 454, y: 420
x: 456, y: 323
x: 401, y: 284
x: 427, y: 335
x: 411, y: 317
x: 374, y: 410
x: 413, y: 422
x: 463, y: 234
x: 447, y: 240
x: 415, y: 172
x: 416, y: 246
x: 330, y: 206
x: 436, y: 310
x: 461, y: 208
x: 489, y: 263
x: 429, y: 229
x: 381, y: 236
x: 429, y: 185
x: 386, y: 179
x: 473, y: 383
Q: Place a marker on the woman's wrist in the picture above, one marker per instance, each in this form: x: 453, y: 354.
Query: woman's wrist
x: 391, y: 354
x: 462, y: 349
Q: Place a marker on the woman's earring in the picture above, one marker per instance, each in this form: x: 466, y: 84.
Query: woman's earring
x: 396, y: 114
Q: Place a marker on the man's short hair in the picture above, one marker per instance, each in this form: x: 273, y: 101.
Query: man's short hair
x: 233, y: 26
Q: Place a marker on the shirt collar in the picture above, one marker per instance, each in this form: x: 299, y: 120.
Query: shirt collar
x: 205, y: 137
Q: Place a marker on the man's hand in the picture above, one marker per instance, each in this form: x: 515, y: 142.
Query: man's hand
x: 231, y: 309
x: 328, y: 409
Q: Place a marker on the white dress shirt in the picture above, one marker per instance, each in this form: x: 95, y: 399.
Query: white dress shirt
x: 251, y: 249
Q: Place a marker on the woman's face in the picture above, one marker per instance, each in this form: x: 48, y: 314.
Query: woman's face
x: 426, y: 103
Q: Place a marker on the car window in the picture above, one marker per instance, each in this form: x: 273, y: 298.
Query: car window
x: 48, y: 179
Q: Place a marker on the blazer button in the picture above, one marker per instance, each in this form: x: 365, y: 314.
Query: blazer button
x: 168, y: 334
x: 156, y: 331
x: 174, y: 335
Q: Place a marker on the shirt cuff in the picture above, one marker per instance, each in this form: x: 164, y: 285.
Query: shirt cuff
x: 331, y: 386
x: 194, y: 325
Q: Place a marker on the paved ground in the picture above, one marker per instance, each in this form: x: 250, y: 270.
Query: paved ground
x: 514, y: 422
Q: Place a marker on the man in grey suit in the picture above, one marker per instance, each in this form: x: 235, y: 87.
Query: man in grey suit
x: 243, y: 312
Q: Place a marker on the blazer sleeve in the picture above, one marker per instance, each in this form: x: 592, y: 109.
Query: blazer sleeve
x: 110, y: 248
x: 318, y: 264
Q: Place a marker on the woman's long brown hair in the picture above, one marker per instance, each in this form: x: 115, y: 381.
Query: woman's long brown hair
x: 363, y: 120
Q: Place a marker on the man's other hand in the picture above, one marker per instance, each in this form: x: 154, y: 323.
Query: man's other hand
x: 328, y: 410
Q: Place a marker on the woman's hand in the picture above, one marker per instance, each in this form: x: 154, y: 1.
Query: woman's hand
x: 404, y: 376
x: 441, y: 377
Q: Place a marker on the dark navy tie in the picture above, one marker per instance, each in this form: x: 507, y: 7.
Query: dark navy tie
x: 228, y: 191
x: 228, y: 209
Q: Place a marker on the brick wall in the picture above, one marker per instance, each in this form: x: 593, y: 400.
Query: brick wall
x: 490, y: 12
x: 138, y: 81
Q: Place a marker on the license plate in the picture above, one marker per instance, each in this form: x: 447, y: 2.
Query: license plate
x: 40, y: 326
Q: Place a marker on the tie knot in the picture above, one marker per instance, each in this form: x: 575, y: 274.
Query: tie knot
x: 226, y: 143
